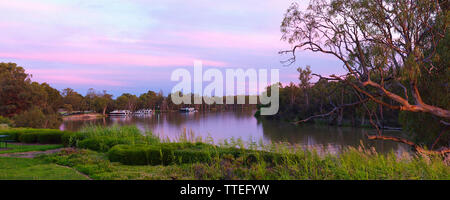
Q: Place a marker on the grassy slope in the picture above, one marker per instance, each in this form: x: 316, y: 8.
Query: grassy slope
x: 33, y: 169
x: 353, y: 165
x: 97, y: 166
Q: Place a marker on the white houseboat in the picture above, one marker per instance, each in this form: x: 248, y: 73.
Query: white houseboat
x: 143, y: 112
x: 187, y: 110
x: 120, y: 113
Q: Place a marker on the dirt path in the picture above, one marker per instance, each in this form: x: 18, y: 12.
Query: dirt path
x: 31, y: 154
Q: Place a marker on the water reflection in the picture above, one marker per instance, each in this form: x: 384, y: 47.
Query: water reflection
x: 225, y: 125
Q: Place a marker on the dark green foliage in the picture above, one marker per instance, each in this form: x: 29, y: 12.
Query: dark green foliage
x: 435, y: 90
x: 101, y: 144
x: 71, y: 139
x: 35, y: 118
x: 12, y: 133
x: 4, y: 120
x: 161, y: 154
x: 49, y: 137
x: 141, y: 154
x: 266, y: 157
x: 192, y: 156
x: 28, y: 135
x: 30, y: 104
x: 180, y: 153
x: 103, y: 138
x: 380, y: 57
x: 28, y: 138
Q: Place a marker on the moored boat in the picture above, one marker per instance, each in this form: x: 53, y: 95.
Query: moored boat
x: 120, y: 113
x: 143, y: 112
x: 187, y: 109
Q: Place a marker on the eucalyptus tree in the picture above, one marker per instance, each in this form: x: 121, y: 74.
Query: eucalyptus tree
x: 73, y: 100
x: 127, y: 101
x: 385, y: 46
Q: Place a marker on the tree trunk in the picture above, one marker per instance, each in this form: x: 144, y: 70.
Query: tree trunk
x: 340, y: 117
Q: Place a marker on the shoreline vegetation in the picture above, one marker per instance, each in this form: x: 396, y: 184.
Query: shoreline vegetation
x: 123, y: 152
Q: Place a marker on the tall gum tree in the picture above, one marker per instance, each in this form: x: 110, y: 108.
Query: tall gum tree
x: 384, y: 45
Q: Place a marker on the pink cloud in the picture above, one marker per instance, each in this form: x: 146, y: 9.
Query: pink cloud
x: 77, y: 80
x: 29, y: 6
x: 215, y: 39
x: 112, y: 59
x: 96, y: 77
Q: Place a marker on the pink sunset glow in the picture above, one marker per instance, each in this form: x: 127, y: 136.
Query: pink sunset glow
x: 134, y: 45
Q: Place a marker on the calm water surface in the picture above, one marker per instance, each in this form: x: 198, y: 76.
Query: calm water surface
x: 226, y: 125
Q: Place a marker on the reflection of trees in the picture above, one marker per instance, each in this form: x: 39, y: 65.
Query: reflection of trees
x: 323, y: 136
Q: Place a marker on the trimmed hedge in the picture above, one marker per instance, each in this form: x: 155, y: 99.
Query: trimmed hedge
x: 140, y: 154
x: 42, y: 136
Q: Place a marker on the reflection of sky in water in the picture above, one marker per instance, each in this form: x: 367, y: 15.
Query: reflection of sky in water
x: 222, y: 126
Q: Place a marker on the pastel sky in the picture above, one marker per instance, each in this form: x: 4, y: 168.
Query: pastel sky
x: 134, y: 45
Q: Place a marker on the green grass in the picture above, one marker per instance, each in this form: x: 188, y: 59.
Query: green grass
x: 32, y: 169
x: 97, y: 166
x: 227, y: 160
x: 16, y: 148
x: 353, y: 164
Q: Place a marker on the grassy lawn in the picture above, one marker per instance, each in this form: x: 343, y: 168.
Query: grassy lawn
x: 33, y: 169
x: 122, y: 153
x: 353, y: 165
x: 97, y: 166
x: 16, y: 148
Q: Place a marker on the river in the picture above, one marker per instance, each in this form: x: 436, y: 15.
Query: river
x: 220, y: 126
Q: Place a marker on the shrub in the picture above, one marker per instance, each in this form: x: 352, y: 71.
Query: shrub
x: 4, y: 120
x: 71, y: 139
x: 192, y: 156
x: 268, y: 157
x: 35, y: 118
x: 29, y: 135
x: 141, y: 154
x: 13, y: 133
x: 51, y: 137
x: 100, y: 138
x: 102, y: 144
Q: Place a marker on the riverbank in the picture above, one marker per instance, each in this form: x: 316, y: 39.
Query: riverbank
x: 88, y: 116
x: 122, y: 153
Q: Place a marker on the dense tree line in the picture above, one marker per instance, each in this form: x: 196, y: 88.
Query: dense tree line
x: 330, y: 99
x: 25, y: 103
